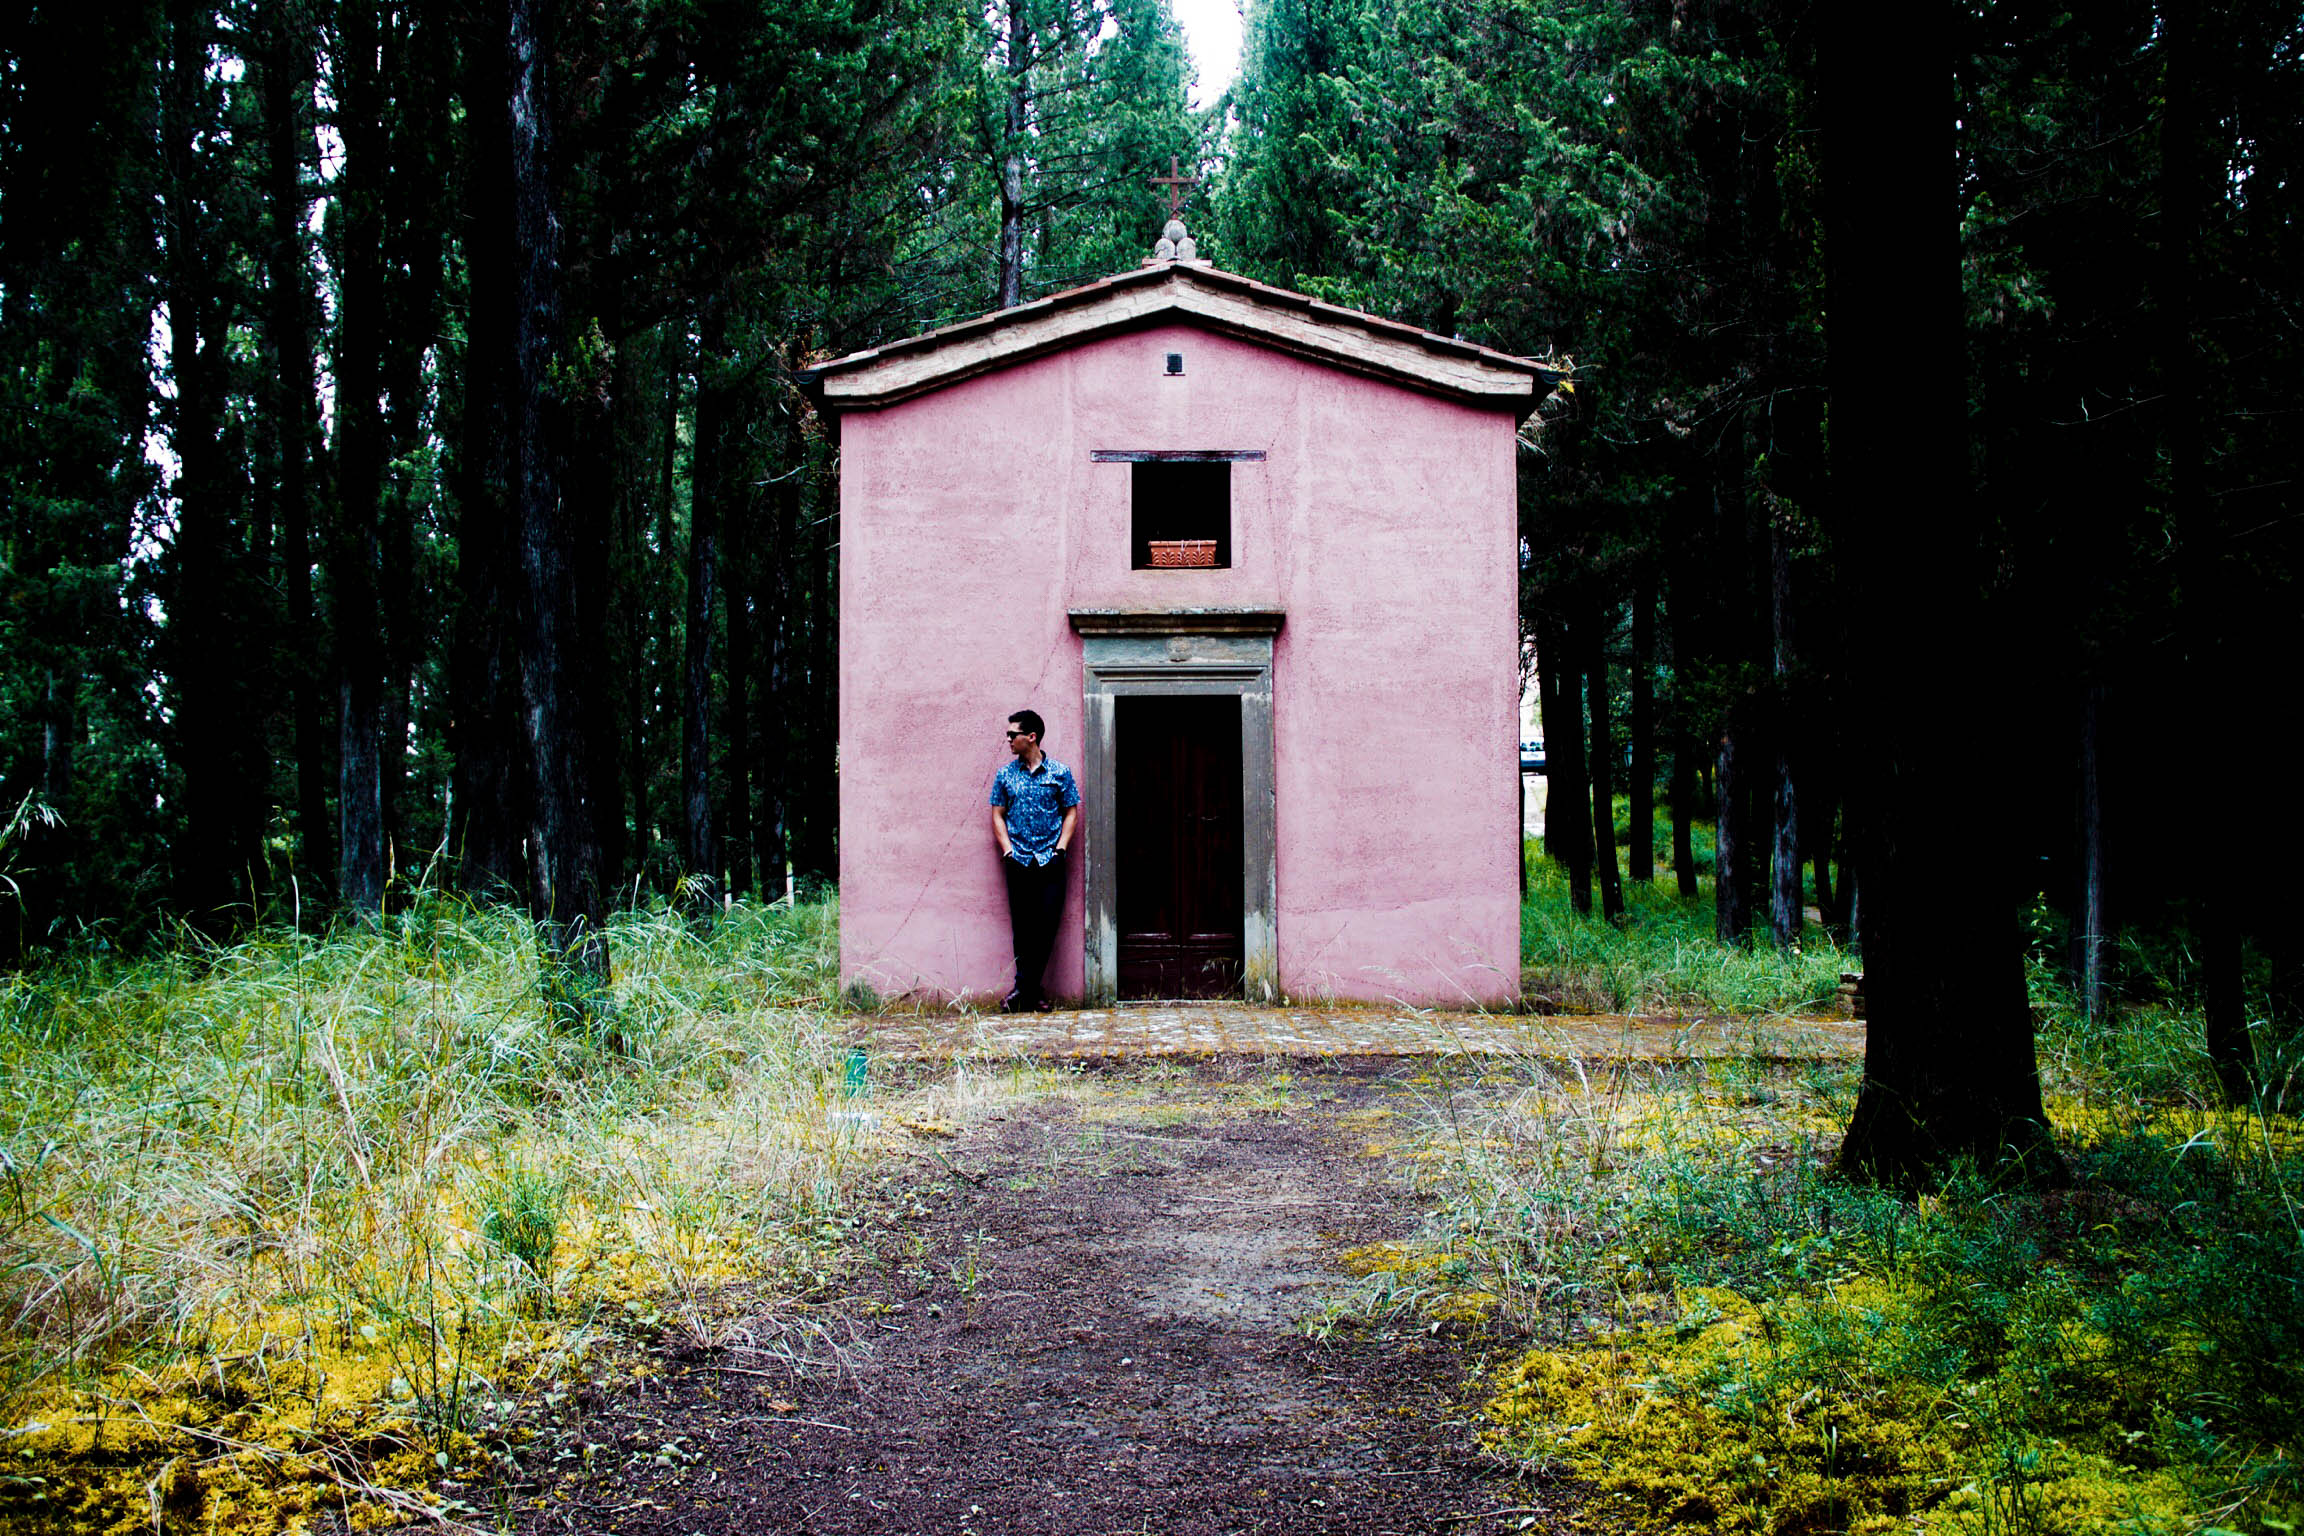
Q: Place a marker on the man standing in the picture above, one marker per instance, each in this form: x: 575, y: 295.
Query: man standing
x: 1035, y: 811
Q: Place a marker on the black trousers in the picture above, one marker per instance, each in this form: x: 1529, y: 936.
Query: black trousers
x: 1035, y: 902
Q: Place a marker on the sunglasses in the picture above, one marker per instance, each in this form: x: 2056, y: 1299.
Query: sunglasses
x: 1012, y: 735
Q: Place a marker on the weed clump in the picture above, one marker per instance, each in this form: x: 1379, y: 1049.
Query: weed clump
x: 1716, y: 1334
x: 291, y: 1224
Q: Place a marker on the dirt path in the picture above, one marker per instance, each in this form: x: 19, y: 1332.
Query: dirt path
x: 1085, y: 1318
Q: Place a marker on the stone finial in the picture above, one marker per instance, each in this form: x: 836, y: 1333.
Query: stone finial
x: 1175, y: 244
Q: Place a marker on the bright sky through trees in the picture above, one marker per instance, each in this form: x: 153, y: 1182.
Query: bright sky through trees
x: 1212, y: 29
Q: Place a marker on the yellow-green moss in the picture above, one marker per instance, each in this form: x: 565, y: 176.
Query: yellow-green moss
x: 1706, y: 1424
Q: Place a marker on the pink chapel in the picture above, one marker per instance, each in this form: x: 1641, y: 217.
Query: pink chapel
x: 1254, y: 558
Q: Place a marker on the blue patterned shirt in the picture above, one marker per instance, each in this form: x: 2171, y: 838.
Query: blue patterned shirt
x: 1035, y: 800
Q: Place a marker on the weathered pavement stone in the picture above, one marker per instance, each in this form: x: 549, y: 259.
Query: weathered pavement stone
x: 1222, y: 1029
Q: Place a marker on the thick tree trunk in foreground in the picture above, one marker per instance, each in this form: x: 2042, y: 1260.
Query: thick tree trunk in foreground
x: 565, y: 887
x: 1949, y: 1072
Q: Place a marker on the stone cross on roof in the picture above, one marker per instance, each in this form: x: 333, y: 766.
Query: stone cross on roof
x: 1174, y: 244
x: 1175, y: 184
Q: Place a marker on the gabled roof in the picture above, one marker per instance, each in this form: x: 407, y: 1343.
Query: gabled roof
x: 1162, y: 292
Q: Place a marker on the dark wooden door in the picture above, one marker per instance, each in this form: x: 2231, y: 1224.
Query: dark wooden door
x: 1177, y: 802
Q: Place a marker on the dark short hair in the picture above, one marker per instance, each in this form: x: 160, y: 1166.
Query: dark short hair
x: 1030, y: 721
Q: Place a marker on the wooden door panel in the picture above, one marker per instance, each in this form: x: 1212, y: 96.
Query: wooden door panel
x: 1178, y: 819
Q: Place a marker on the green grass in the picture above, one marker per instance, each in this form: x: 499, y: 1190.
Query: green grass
x: 309, y: 1193
x: 1663, y: 957
x: 1689, y: 1313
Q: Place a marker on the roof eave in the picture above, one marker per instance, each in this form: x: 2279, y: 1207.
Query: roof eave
x: 1194, y: 294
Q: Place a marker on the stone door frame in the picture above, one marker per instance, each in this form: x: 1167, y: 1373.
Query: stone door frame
x: 1138, y: 653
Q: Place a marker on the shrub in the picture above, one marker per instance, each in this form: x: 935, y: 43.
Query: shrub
x: 1718, y: 1334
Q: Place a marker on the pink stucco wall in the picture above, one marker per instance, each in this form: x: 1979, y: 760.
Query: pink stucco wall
x: 1382, y: 521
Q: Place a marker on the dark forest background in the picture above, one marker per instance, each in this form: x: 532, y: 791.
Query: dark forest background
x: 404, y: 477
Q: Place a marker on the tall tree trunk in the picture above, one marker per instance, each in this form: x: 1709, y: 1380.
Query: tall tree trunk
x: 588, y: 514
x: 285, y: 80
x: 647, y: 496
x: 2223, y: 1006
x: 1684, y: 750
x: 775, y: 630
x: 819, y: 847
x: 490, y: 790
x: 739, y: 559
x: 1567, y: 799
x: 2284, y: 1002
x: 415, y: 60
x: 2095, y: 933
x: 565, y: 888
x: 1731, y: 876
x: 1949, y: 1069
x: 59, y: 722
x: 737, y: 756
x: 1784, y: 854
x: 1551, y: 716
x: 208, y: 619
x: 1642, y: 853
x: 1603, y: 766
x: 2191, y: 181
x: 1818, y: 811
x: 700, y: 845
x: 1016, y: 111
x: 359, y: 475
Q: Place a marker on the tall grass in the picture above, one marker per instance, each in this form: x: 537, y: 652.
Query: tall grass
x: 273, y: 1200
x: 1663, y: 957
x: 1714, y: 1333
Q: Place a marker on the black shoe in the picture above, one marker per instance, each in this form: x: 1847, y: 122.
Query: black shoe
x: 1009, y: 1004
x: 1043, y: 1006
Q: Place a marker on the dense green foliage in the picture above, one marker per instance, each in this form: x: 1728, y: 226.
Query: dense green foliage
x: 278, y: 452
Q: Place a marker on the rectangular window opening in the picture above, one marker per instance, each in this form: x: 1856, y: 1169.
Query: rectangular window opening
x: 1180, y: 515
